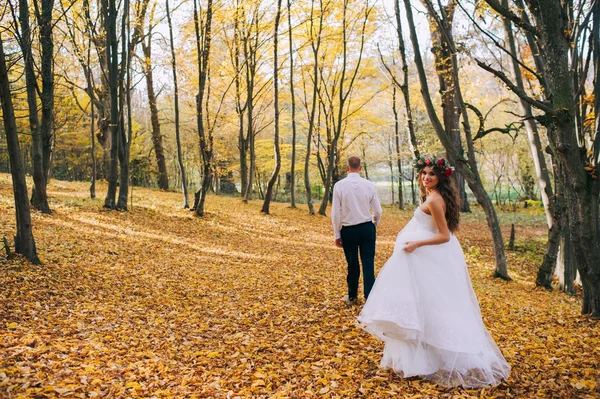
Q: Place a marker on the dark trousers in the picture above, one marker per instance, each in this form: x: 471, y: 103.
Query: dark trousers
x: 357, y: 239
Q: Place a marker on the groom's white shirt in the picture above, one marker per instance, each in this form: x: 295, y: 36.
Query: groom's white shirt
x: 353, y: 200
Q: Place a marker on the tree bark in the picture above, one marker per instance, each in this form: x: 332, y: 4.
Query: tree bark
x: 240, y: 109
x: 410, y: 126
x: 24, y: 241
x: 159, y: 152
x: 184, y: 189
x: 250, y: 48
x: 205, y: 136
x: 39, y: 197
x: 551, y: 259
x: 398, y: 153
x: 315, y: 44
x: 277, y: 151
x: 47, y: 94
x: 293, y: 105
x: 112, y: 57
x: 125, y: 101
x: 92, y: 137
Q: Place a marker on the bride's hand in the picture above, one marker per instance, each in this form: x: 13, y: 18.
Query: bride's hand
x: 410, y: 246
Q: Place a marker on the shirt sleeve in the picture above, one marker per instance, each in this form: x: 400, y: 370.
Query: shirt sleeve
x: 376, y: 207
x: 336, y: 212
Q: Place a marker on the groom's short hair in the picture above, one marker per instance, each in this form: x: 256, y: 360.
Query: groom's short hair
x: 354, y: 162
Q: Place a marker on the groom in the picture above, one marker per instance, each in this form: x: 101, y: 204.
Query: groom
x: 355, y: 212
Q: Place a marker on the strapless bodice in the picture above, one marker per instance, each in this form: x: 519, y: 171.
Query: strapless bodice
x: 424, y: 221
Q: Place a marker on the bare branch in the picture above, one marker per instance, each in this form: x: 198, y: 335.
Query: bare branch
x: 505, y: 12
x: 542, y: 105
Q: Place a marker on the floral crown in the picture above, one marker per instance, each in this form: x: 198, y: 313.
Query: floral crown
x: 441, y: 164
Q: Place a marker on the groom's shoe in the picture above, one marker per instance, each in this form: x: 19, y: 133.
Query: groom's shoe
x: 349, y: 301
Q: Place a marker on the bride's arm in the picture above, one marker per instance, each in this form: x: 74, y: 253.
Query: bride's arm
x: 436, y: 208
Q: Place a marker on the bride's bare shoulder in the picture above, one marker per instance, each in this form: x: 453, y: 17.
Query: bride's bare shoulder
x: 435, y: 200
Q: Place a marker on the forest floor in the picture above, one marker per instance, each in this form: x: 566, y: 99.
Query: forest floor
x: 154, y: 302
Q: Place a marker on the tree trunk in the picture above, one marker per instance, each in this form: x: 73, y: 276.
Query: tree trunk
x: 315, y: 44
x: 47, y: 95
x: 239, y: 109
x: 112, y: 56
x: 184, y: 189
x: 92, y: 138
x: 251, y: 48
x: 398, y: 153
x: 410, y: 127
x: 159, y: 152
x: 39, y: 197
x: 205, y: 136
x: 93, y: 154
x: 24, y: 241
x: 567, y: 270
x: 275, y: 175
x: 551, y: 259
x: 124, y: 99
x: 293, y: 105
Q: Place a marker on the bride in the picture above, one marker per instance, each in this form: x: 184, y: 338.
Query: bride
x: 422, y: 305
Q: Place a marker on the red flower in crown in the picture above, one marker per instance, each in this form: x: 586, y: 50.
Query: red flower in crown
x: 427, y: 162
x: 448, y: 172
x: 440, y: 162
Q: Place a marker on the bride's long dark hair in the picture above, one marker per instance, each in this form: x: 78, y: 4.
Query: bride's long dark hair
x: 447, y: 189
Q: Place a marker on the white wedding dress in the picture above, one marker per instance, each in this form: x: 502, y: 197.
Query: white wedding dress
x: 423, y: 307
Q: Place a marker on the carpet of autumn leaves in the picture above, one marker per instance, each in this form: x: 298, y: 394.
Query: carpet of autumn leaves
x: 156, y: 303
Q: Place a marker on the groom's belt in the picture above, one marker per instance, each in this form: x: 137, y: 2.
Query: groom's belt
x: 360, y: 224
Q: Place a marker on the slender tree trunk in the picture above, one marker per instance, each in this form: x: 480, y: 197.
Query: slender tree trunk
x: 24, y: 241
x: 205, y: 136
x: 251, y: 145
x: 124, y: 100
x: 413, y: 189
x: 250, y: 48
x: 186, y: 203
x: 275, y: 175
x: 410, y: 127
x: 293, y: 105
x: 243, y: 150
x: 315, y: 45
x: 112, y: 56
x: 398, y: 153
x: 239, y: 109
x: 159, y: 152
x: 92, y: 138
x: 39, y: 197
x: 47, y: 95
